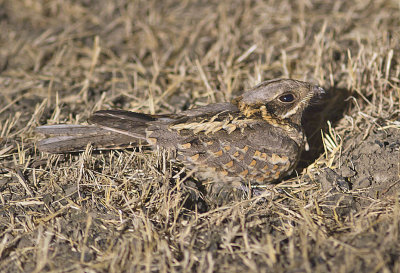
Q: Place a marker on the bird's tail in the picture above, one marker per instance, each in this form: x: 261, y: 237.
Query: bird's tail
x: 109, y: 129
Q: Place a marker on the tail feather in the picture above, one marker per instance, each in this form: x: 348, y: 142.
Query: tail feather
x: 66, y: 129
x: 75, y: 138
x: 110, y: 129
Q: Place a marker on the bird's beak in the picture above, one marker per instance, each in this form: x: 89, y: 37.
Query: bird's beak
x: 318, y: 90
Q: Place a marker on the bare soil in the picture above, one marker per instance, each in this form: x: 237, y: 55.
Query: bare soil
x: 137, y: 210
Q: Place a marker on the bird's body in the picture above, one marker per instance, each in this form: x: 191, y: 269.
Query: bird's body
x: 256, y: 138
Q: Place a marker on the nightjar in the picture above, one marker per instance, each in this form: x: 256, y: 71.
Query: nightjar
x: 256, y: 138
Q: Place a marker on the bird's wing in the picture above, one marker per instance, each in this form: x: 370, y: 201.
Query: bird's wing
x: 209, y: 110
x: 111, y: 129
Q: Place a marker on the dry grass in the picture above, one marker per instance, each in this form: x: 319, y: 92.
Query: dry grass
x: 124, y: 210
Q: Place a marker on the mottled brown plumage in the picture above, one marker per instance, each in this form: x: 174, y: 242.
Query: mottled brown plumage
x: 257, y: 138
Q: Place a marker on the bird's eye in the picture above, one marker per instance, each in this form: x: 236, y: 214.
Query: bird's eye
x: 286, y: 98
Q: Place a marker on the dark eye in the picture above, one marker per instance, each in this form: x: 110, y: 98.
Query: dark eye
x: 286, y: 98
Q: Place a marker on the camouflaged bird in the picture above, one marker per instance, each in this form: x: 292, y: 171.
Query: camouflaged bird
x: 256, y: 138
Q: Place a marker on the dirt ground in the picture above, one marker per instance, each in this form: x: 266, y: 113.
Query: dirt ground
x: 128, y: 210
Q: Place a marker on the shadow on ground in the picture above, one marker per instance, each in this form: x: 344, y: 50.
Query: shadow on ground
x: 330, y: 108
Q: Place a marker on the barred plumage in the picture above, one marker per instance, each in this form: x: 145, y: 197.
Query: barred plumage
x: 256, y: 138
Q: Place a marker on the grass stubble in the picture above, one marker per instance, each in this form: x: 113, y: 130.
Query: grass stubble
x: 136, y: 209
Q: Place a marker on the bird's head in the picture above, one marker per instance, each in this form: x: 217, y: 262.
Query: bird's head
x: 282, y: 99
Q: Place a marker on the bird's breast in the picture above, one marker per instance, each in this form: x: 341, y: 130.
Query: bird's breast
x: 235, y: 157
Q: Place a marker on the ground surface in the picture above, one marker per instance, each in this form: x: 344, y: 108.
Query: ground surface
x: 123, y: 210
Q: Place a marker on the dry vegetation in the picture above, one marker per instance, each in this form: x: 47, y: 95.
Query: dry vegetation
x: 128, y: 210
